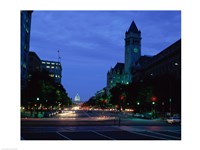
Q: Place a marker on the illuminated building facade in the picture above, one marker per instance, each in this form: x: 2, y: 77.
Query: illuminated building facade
x: 122, y: 72
x: 77, y: 98
x: 115, y: 75
x: 137, y: 67
x: 54, y: 68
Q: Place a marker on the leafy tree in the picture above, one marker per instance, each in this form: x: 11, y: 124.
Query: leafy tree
x: 42, y: 86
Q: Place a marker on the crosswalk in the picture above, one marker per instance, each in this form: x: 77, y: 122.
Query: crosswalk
x: 101, y: 133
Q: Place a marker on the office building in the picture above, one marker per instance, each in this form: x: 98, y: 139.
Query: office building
x: 54, y: 68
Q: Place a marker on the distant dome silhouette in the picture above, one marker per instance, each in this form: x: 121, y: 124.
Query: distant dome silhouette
x: 77, y: 98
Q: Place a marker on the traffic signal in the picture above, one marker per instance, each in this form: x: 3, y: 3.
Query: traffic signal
x: 122, y: 97
x: 104, y: 101
x: 153, y: 99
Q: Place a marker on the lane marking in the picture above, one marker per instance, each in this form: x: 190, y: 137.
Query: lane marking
x: 165, y: 135
x: 63, y: 136
x: 103, y: 135
x: 127, y: 129
x: 175, y: 131
x: 87, y: 114
x: 147, y: 135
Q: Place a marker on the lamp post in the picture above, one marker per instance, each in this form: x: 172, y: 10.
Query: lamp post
x: 37, y: 106
x: 163, y: 109
x: 138, y: 104
x: 170, y: 106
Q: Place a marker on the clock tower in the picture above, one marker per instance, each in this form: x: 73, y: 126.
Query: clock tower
x: 132, y: 50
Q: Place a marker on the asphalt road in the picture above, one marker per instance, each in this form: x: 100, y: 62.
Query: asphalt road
x: 97, y: 125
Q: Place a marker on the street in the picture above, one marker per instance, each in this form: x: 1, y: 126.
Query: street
x: 97, y: 125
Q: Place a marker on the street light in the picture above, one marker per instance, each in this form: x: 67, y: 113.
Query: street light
x: 138, y: 107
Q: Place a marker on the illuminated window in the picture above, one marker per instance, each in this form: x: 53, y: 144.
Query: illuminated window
x: 51, y: 75
x: 43, y: 62
x: 24, y: 65
x: 52, y: 66
x: 48, y: 63
x: 56, y: 76
x: 47, y: 66
x: 176, y: 64
x: 53, y: 63
x: 27, y: 30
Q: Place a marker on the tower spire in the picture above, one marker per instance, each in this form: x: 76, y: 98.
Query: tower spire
x: 133, y: 28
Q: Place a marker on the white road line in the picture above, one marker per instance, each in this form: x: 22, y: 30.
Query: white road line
x: 175, y: 131
x: 63, y: 136
x: 147, y: 135
x: 87, y: 114
x: 103, y: 135
x: 165, y: 135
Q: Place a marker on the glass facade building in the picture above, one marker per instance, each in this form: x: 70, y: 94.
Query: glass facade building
x: 25, y: 41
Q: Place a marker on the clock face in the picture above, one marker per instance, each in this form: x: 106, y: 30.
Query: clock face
x: 136, y: 50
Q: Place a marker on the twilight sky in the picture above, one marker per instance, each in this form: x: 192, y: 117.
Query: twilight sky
x: 91, y: 42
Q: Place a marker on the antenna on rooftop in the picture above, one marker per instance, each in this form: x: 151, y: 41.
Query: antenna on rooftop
x: 59, y: 58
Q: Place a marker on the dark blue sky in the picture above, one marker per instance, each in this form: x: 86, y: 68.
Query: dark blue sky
x: 91, y: 42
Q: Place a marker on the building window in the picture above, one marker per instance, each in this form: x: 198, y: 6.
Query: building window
x: 52, y: 67
x: 27, y: 30
x: 43, y: 62
x: 127, y: 42
x: 24, y: 66
x: 176, y: 64
x: 47, y: 66
x: 51, y: 75
x: 53, y: 63
x: 48, y: 63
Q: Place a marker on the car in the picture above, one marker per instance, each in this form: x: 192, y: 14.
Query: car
x: 174, y: 120
x: 138, y: 115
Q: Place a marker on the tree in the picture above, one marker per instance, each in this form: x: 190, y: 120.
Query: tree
x: 42, y: 86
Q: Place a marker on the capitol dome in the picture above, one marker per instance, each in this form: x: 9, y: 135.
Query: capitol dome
x: 77, y: 98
